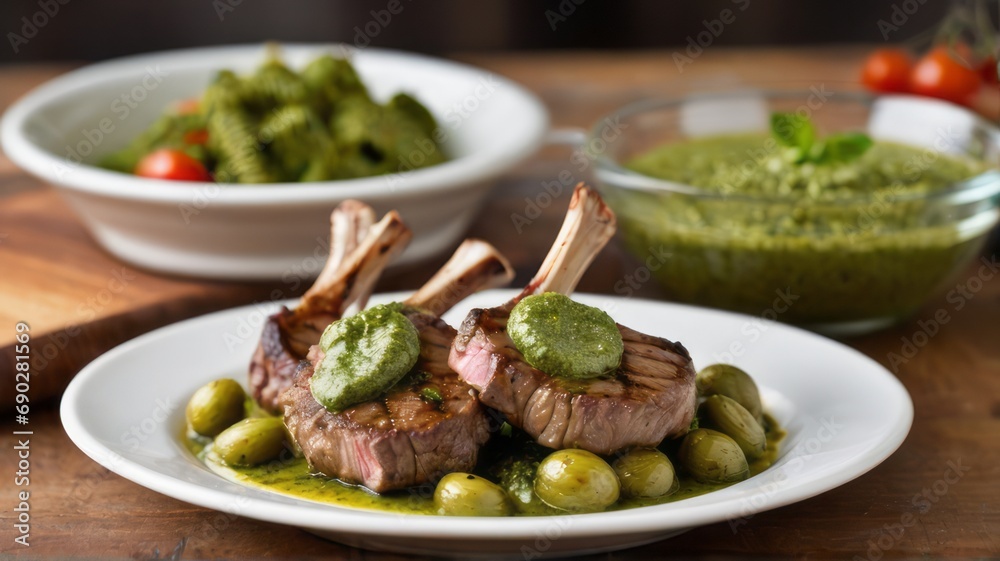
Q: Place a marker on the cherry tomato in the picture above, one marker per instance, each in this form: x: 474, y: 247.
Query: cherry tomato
x: 887, y: 70
x: 940, y: 75
x: 988, y: 71
x: 986, y: 67
x: 197, y: 136
x: 171, y: 164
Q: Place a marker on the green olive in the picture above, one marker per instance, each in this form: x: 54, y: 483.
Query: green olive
x: 732, y: 419
x: 712, y: 457
x: 251, y: 441
x: 464, y: 494
x: 727, y: 380
x: 577, y: 481
x: 215, y: 406
x: 646, y: 472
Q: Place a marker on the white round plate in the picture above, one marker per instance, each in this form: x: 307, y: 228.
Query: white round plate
x: 843, y: 412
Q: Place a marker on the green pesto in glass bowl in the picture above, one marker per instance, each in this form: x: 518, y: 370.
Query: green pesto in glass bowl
x: 725, y: 215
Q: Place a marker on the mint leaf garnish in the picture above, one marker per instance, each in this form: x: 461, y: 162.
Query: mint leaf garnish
x: 798, y: 135
x: 793, y: 130
x: 844, y: 147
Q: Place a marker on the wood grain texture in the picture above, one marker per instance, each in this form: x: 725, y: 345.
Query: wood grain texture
x: 80, y: 509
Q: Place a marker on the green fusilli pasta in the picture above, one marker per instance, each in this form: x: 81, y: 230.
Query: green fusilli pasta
x: 279, y: 125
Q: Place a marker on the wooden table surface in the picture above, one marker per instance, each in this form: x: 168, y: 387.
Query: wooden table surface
x: 50, y: 269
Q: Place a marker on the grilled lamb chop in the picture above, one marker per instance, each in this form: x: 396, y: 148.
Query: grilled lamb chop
x: 359, y: 251
x: 650, y: 397
x: 426, y: 426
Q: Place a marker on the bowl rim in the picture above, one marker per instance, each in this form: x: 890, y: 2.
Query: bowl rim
x: 457, y: 173
x: 978, y: 187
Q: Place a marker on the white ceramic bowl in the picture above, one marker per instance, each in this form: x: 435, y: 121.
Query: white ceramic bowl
x: 261, y: 231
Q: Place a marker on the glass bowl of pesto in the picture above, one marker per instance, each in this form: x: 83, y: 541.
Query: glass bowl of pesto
x: 64, y: 130
x: 839, y: 211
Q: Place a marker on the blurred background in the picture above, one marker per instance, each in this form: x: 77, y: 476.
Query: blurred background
x: 98, y: 29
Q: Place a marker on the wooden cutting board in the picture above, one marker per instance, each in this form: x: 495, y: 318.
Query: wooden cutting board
x: 78, y: 300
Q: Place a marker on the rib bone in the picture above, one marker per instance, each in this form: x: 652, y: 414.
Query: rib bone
x: 588, y: 226
x: 475, y: 265
x: 359, y: 252
x: 349, y: 224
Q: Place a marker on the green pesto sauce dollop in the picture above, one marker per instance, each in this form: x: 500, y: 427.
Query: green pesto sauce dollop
x: 365, y: 355
x: 564, y: 338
